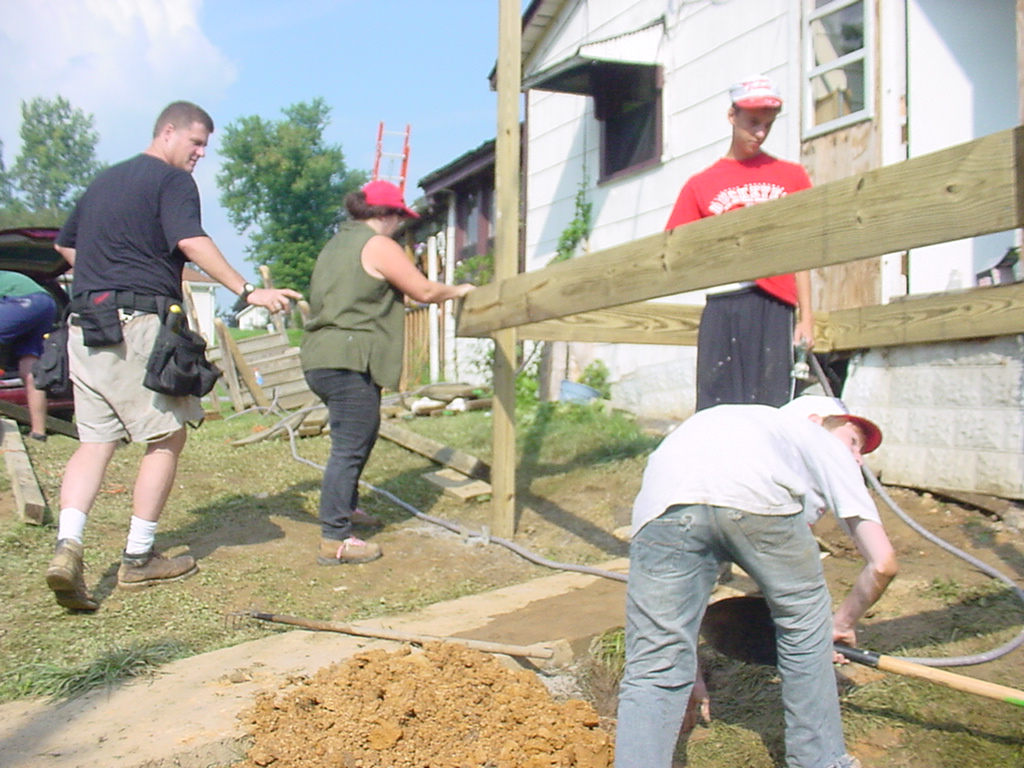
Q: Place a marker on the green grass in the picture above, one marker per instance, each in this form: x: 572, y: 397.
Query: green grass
x: 224, y: 498
x: 67, y: 682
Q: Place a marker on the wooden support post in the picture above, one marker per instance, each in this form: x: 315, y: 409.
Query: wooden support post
x: 506, y: 264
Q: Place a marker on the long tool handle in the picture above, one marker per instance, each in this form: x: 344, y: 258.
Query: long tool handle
x: 530, y: 651
x: 940, y: 676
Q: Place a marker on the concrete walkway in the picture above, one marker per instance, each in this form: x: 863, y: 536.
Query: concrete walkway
x: 187, y: 716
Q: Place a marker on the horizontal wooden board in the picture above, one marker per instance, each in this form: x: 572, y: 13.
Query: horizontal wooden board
x: 962, y: 191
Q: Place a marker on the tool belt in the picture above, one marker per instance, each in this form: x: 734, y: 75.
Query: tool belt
x: 177, y: 365
x: 96, y: 313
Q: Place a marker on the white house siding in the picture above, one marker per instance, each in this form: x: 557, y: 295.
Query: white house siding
x: 705, y: 48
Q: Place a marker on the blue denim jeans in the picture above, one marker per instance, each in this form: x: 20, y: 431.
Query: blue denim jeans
x: 353, y: 411
x: 673, y: 566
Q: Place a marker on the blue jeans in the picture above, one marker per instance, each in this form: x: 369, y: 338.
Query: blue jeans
x: 673, y: 566
x: 353, y: 411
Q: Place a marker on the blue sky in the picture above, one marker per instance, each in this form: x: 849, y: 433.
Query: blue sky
x: 412, y: 62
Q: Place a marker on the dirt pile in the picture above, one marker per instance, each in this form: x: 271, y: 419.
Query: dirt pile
x: 444, y: 707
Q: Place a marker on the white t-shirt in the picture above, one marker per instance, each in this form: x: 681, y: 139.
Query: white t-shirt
x: 755, y: 458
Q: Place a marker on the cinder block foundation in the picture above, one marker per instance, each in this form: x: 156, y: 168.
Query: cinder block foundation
x: 952, y: 414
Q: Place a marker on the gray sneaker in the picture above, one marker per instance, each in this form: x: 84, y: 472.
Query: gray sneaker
x: 150, y: 568
x: 64, y: 577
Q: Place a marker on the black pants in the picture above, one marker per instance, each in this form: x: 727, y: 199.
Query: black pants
x: 745, y: 350
x: 353, y: 409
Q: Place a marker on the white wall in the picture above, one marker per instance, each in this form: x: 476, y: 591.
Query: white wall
x: 706, y: 47
x: 962, y: 70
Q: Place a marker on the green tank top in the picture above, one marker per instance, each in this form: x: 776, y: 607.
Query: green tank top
x: 357, y: 322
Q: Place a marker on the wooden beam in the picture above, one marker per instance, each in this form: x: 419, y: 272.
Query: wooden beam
x: 435, y: 451
x: 963, y: 191
x: 28, y: 498
x: 20, y: 414
x: 970, y: 314
x: 640, y: 323
x: 507, y: 168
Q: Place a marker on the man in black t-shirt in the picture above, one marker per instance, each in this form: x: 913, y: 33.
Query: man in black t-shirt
x: 128, y: 239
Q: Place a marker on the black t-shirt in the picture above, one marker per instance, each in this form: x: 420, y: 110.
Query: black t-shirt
x: 126, y: 227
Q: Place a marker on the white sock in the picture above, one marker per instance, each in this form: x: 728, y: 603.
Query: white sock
x: 71, y: 524
x: 141, y: 534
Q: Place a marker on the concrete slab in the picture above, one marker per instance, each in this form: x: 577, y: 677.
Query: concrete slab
x: 187, y: 716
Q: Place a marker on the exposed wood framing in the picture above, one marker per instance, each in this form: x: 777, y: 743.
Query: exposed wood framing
x: 969, y: 314
x: 963, y: 191
x: 506, y: 262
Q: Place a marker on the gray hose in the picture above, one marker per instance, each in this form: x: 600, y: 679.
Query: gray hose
x: 952, y: 661
x: 458, y: 529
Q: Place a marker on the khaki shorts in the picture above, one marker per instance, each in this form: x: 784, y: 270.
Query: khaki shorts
x: 111, y: 404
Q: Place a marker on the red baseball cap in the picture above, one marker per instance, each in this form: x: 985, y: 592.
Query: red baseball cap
x: 755, y: 92
x: 385, y: 193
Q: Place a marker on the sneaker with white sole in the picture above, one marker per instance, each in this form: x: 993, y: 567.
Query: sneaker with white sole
x: 151, y: 568
x: 350, y: 550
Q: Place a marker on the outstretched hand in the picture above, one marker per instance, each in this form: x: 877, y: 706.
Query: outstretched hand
x: 274, y: 299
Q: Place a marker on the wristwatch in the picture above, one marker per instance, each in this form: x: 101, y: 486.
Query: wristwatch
x: 243, y: 297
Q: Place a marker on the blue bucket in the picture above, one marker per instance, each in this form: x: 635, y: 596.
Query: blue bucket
x: 574, y: 392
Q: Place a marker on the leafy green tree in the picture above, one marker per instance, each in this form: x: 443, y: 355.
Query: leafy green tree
x: 58, y: 156
x: 284, y: 186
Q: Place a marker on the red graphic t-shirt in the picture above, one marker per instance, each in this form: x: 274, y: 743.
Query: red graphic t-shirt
x: 731, y: 184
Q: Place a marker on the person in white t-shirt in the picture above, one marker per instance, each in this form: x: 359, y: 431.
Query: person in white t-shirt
x: 743, y: 483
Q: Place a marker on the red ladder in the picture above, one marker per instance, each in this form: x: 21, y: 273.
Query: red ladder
x: 392, y: 157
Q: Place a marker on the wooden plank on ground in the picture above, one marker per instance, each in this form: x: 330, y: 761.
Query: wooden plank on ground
x: 21, y: 415
x: 962, y: 191
x: 457, y: 485
x: 28, y: 498
x: 439, y: 452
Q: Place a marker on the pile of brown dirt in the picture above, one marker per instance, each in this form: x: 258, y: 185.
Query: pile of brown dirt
x: 445, y: 707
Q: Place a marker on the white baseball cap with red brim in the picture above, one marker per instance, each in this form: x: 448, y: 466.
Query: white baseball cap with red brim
x: 819, y: 405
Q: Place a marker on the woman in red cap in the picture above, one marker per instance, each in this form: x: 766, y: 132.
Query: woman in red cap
x: 352, y: 347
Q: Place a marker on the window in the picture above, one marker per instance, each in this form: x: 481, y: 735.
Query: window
x: 838, y: 64
x: 627, y: 104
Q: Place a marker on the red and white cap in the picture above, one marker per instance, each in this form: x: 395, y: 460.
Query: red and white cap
x: 819, y: 405
x: 756, y: 92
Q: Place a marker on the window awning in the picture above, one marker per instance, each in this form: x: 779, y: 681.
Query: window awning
x: 596, y: 62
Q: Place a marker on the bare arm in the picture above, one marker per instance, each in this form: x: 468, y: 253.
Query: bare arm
x: 205, y: 254
x: 804, y: 330
x: 67, y: 253
x: 383, y: 258
x: 879, y: 569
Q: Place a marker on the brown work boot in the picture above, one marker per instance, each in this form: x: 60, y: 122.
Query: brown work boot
x: 140, y: 571
x: 64, y: 577
x: 351, y: 550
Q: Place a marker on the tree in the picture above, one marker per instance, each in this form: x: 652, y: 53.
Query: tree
x: 285, y: 186
x: 58, y: 156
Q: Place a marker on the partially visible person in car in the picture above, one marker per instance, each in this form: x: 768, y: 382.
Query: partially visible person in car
x: 27, y: 312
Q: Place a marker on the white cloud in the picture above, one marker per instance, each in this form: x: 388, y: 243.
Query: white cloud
x: 120, y: 60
